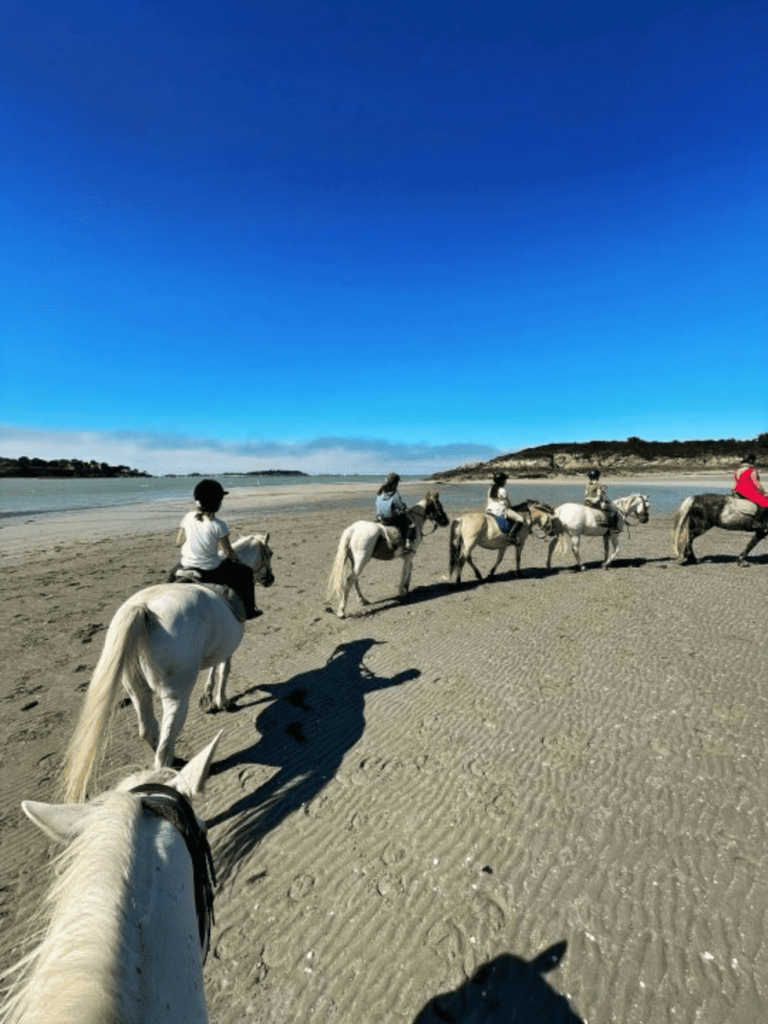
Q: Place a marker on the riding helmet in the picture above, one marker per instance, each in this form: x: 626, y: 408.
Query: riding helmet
x: 500, y: 478
x: 392, y: 478
x: 209, y: 493
x: 750, y: 459
x: 594, y: 474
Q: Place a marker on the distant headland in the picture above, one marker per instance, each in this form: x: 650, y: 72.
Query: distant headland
x: 633, y: 457
x: 25, y: 467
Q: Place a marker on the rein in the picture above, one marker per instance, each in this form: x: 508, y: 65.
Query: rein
x: 167, y: 803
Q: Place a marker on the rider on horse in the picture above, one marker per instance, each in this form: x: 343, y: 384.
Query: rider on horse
x: 747, y: 482
x: 499, y: 506
x: 200, y: 535
x: 595, y: 497
x: 391, y: 510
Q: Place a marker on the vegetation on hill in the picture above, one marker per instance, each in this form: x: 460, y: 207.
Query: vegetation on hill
x: 620, y: 458
x: 24, y: 467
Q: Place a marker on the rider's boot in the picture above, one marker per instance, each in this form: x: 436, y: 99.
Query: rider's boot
x: 514, y: 529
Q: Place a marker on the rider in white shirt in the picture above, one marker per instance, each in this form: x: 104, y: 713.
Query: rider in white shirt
x: 202, y: 535
x: 499, y: 506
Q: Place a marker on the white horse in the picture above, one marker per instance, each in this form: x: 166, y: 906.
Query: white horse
x: 365, y: 540
x: 130, y: 911
x: 580, y: 520
x: 158, y: 642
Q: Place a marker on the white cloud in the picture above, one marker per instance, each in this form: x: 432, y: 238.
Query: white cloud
x: 170, y: 453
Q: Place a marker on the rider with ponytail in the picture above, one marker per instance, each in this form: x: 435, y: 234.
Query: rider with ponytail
x: 202, y: 535
x: 747, y: 482
x: 391, y: 510
x: 499, y: 506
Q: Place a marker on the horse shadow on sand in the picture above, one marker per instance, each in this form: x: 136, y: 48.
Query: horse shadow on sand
x: 428, y: 592
x: 506, y: 990
x: 308, y: 725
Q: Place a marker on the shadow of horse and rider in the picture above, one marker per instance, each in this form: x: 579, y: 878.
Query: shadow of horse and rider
x: 505, y: 990
x: 307, y: 727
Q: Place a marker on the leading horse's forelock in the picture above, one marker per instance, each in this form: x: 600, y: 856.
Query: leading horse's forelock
x: 168, y: 803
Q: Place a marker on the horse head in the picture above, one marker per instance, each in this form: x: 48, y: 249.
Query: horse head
x: 434, y: 510
x: 640, y: 507
x: 256, y: 552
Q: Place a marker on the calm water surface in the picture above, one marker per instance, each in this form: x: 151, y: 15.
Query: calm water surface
x: 40, y: 496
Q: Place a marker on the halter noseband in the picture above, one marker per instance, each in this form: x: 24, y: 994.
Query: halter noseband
x: 168, y: 803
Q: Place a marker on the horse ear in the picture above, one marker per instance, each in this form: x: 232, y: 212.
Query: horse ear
x: 62, y: 822
x: 191, y: 779
x: 550, y: 958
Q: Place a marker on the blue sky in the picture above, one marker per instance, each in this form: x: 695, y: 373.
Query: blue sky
x: 351, y: 236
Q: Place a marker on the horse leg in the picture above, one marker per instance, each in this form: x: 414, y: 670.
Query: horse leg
x: 495, y: 565
x: 220, y: 698
x: 610, y: 539
x: 359, y: 558
x: 575, y: 539
x: 552, y: 546
x: 519, y: 553
x: 467, y: 560
x: 213, y: 697
x: 758, y: 536
x: 405, y: 579
x: 174, y: 715
x: 141, y: 698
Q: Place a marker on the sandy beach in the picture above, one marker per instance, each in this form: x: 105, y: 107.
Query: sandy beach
x: 410, y: 805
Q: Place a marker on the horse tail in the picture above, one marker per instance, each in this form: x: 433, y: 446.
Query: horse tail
x: 561, y: 548
x: 454, y: 548
x: 338, y: 575
x: 681, y: 528
x: 124, y: 643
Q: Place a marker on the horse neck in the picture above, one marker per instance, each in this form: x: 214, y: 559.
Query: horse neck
x: 249, y: 550
x: 627, y: 503
x: 420, y: 508
x: 122, y: 915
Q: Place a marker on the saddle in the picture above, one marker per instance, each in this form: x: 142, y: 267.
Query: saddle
x: 391, y: 545
x: 227, y: 594
x: 744, y: 506
x: 511, y: 538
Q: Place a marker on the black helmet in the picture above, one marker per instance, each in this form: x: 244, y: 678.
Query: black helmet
x: 594, y: 474
x: 501, y: 477
x: 750, y: 458
x: 209, y: 494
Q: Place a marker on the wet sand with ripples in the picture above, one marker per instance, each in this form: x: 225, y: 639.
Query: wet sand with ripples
x: 412, y: 804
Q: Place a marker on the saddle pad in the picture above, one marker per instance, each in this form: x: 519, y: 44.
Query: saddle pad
x: 744, y: 507
x: 394, y: 537
x: 227, y: 594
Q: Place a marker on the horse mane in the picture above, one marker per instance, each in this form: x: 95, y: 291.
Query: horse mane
x: 62, y: 974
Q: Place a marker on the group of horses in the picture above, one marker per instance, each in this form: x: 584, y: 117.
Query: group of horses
x: 365, y: 540
x: 108, y: 954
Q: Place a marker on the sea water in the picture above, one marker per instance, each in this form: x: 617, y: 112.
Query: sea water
x: 40, y: 495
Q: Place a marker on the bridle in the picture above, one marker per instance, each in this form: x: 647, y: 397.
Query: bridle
x: 172, y: 806
x: 427, y: 513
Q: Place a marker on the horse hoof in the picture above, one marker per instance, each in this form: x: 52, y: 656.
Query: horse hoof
x: 206, y: 705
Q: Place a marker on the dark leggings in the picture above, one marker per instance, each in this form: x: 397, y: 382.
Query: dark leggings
x: 236, y: 575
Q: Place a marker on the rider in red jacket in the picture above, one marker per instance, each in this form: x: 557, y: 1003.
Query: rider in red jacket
x: 747, y: 482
